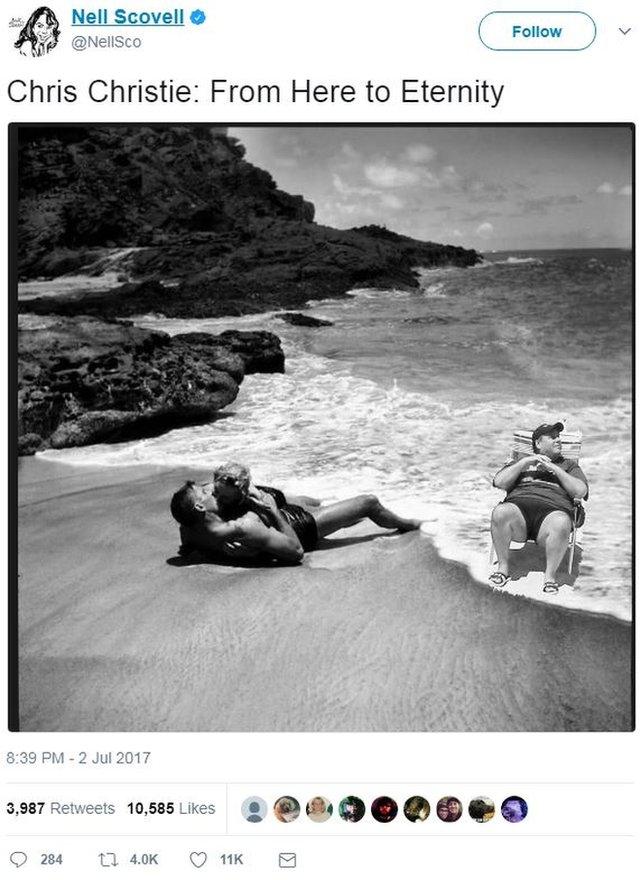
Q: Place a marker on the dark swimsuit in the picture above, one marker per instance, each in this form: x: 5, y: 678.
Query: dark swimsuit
x: 300, y: 520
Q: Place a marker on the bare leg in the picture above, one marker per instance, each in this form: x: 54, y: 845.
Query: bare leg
x: 507, y: 525
x: 347, y: 513
x: 554, y: 537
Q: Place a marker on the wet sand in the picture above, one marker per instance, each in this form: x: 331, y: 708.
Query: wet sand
x: 373, y: 632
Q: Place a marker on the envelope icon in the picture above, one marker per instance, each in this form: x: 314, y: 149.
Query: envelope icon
x: 287, y: 860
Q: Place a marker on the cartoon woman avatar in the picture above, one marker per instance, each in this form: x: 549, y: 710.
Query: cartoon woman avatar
x: 40, y: 34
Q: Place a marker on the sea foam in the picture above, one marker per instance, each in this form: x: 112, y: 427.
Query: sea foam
x: 321, y: 430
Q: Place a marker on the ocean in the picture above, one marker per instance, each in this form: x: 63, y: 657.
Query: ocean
x: 415, y: 395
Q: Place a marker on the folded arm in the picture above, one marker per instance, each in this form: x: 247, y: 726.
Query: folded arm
x: 508, y: 476
x: 272, y: 532
x: 276, y: 541
x: 211, y: 536
x: 573, y: 486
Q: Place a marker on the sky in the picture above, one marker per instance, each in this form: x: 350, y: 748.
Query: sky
x: 493, y: 188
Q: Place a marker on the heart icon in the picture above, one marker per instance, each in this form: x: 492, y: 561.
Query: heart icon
x: 198, y: 859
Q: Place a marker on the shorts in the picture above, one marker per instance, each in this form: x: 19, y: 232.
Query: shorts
x: 534, y: 512
x: 303, y: 524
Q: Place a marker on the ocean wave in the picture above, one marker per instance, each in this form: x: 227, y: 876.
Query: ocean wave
x: 173, y: 326
x: 516, y: 261
x: 435, y: 291
x: 321, y: 430
x: 329, y: 301
x: 379, y: 293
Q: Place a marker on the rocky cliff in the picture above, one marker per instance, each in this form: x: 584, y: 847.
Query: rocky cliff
x: 119, y: 186
x: 206, y: 232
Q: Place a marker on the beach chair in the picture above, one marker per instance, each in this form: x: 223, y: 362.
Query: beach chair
x: 571, y: 448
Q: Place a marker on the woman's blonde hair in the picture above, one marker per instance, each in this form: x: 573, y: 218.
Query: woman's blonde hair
x: 234, y: 473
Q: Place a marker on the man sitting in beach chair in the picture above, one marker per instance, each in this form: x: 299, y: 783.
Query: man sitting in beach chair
x: 233, y: 518
x: 542, y: 489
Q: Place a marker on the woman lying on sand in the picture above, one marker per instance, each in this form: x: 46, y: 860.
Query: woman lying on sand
x: 233, y: 518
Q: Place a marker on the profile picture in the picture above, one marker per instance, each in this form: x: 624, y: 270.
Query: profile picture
x: 417, y: 808
x: 449, y: 809
x: 40, y: 34
x: 254, y: 809
x: 514, y: 808
x: 319, y: 809
x: 481, y: 809
x: 351, y: 809
x: 384, y: 809
x: 286, y: 809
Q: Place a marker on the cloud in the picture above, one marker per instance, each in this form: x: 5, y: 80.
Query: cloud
x: 289, y: 143
x: 337, y: 212
x: 457, y: 234
x: 485, y: 230
x: 449, y: 174
x: 543, y: 204
x: 481, y: 190
x: 349, y: 152
x: 286, y: 161
x: 383, y: 173
x: 386, y: 199
x: 474, y: 216
x: 420, y: 154
x: 608, y: 189
x: 345, y: 189
x: 389, y: 200
x: 410, y: 170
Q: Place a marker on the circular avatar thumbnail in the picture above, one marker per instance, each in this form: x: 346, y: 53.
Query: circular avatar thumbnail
x: 286, y: 809
x: 384, y: 809
x: 319, y: 809
x: 417, y: 808
x: 481, y: 809
x: 514, y: 808
x: 254, y: 809
x: 351, y: 809
x: 449, y: 809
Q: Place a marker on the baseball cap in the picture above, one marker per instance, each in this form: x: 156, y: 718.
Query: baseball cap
x: 545, y: 429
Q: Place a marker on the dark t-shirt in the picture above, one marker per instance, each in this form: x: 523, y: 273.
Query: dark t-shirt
x: 537, y: 483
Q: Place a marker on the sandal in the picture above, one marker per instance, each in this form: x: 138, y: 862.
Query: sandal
x: 551, y: 587
x: 499, y: 579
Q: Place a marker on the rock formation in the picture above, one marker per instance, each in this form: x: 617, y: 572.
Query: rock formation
x: 204, y: 233
x: 83, y: 381
x: 297, y: 319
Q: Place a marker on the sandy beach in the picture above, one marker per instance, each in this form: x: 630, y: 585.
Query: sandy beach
x: 374, y: 632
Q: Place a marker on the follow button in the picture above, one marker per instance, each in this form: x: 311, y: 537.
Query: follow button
x: 536, y: 31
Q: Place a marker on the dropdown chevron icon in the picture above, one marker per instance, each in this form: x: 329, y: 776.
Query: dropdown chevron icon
x: 624, y: 31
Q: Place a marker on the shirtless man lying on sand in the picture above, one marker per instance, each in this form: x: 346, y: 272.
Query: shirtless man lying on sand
x: 231, y: 517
